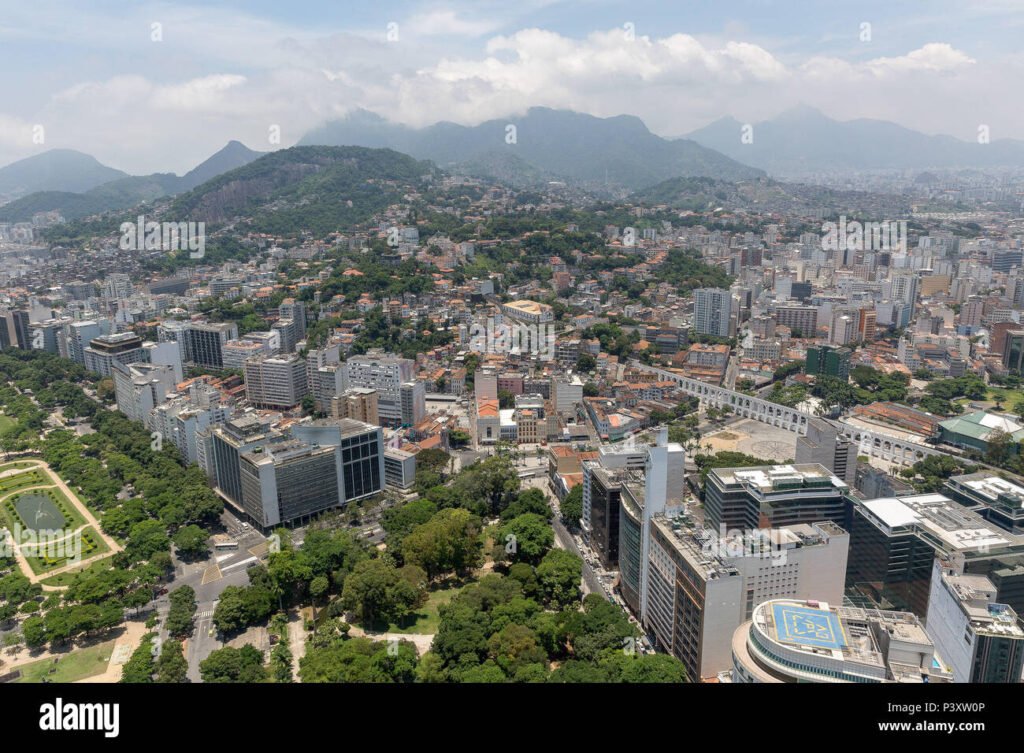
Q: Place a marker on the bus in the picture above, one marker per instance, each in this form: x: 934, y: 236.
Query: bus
x: 225, y: 546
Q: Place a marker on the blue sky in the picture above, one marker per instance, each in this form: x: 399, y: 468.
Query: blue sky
x: 94, y: 78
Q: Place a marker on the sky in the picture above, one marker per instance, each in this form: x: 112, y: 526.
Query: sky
x: 159, y: 86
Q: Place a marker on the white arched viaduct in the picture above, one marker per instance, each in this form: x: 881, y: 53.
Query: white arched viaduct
x: 874, y: 444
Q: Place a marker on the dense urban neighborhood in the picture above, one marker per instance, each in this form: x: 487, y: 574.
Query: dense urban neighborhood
x: 460, y: 403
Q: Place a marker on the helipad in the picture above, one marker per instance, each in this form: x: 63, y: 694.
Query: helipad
x: 807, y: 626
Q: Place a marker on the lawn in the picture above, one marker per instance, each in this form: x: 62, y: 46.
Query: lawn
x: 1008, y: 397
x: 78, y: 665
x: 6, y: 422
x: 21, y: 480
x: 426, y: 620
x: 16, y: 464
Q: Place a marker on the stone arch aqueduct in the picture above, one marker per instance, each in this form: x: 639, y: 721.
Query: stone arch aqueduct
x: 871, y: 443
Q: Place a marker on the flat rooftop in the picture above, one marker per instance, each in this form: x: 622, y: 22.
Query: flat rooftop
x: 780, y: 478
x: 936, y: 516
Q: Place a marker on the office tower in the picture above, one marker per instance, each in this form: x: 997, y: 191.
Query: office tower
x: 867, y: 325
x: 826, y: 446
x: 414, y: 403
x: 180, y: 420
x: 1003, y: 260
x: 399, y: 468
x: 802, y: 640
x: 712, y: 312
x: 204, y: 343
x: 287, y: 480
x: 386, y: 374
x: 978, y: 637
x: 80, y: 291
x: 275, y: 381
x: 165, y: 354
x: 141, y: 387
x: 288, y: 332
x: 827, y: 361
x: 773, y: 496
x: 701, y: 586
x: 603, y: 490
x: 47, y: 336
x: 104, y: 350
x: 997, y: 500
x: 800, y: 291
x: 644, y: 496
x: 904, y: 289
x: 79, y: 335
x: 894, y: 541
x: 326, y: 383
x: 1013, y: 351
x: 296, y: 312
x: 801, y: 320
x: 227, y: 443
x: 844, y: 327
x: 360, y: 453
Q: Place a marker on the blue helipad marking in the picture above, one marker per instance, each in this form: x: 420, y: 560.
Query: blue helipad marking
x: 806, y: 626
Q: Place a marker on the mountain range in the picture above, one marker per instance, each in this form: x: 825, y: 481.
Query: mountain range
x: 543, y: 145
x: 77, y: 185
x: 804, y: 140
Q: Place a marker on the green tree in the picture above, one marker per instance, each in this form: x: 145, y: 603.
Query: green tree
x: 379, y: 593
x: 572, y: 507
x: 559, y: 575
x: 234, y: 665
x: 191, y: 542
x: 526, y: 538
x: 181, y: 615
x: 171, y: 666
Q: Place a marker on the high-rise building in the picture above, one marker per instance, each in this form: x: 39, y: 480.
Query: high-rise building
x: 894, y: 541
x: 118, y: 286
x: 712, y: 312
x: 359, y: 403
x: 997, y: 500
x: 141, y: 387
x: 413, y: 402
x: 801, y: 320
x: 827, y: 361
x: 360, y: 453
x: 287, y: 481
x: 79, y: 335
x: 803, y: 640
x: 981, y: 639
x: 228, y: 442
x: 275, y: 381
x: 644, y: 496
x: 773, y: 496
x: 386, y: 374
x: 204, y: 342
x: 701, y: 586
x: 104, y: 350
x: 399, y: 468
x: 844, y: 327
x: 825, y: 445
